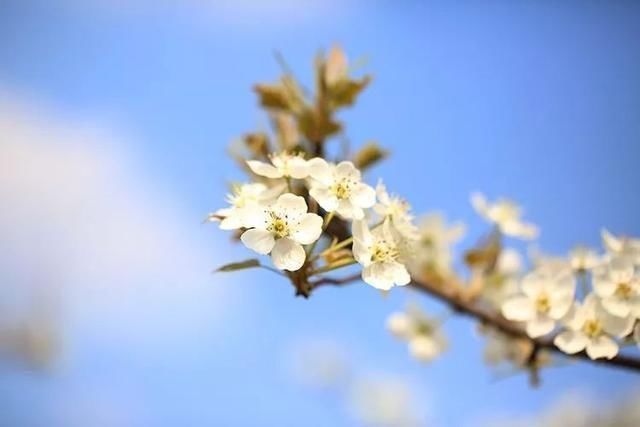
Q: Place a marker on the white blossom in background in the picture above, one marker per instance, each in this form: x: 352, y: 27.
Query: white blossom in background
x: 583, y: 259
x: 424, y: 335
x: 551, y: 263
x: 397, y: 211
x: 432, y: 248
x: 501, y: 349
x: 592, y: 328
x: 636, y: 334
x: 620, y: 246
x: 379, y: 254
x: 505, y: 215
x: 241, y: 197
x: 618, y: 286
x: 281, y: 229
x: 283, y: 165
x: 502, y: 283
x: 339, y: 188
x: 546, y: 297
x: 385, y: 402
x: 319, y: 363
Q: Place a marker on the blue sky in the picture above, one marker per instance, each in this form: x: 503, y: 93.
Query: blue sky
x: 538, y: 101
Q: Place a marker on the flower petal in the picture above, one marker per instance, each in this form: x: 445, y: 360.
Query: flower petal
x: 615, y: 325
x: 320, y: 170
x: 361, y: 252
x: 308, y: 229
x: 424, y: 348
x: 363, y: 196
x: 400, y: 325
x: 616, y: 306
x: 346, y: 210
x: 264, y: 169
x: 258, y: 240
x: 602, y: 346
x: 360, y: 231
x: 287, y: 255
x: 480, y: 203
x: 377, y: 276
x: 518, y: 308
x: 346, y: 169
x: 298, y: 167
x: 539, y: 326
x: 399, y: 274
x: 324, y: 197
x: 292, y: 204
x: 571, y: 342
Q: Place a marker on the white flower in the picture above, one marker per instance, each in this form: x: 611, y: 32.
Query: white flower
x: 338, y: 188
x: 622, y: 246
x: 282, y: 228
x: 377, y: 251
x: 618, y: 286
x: 425, y: 338
x: 502, y: 283
x: 382, y: 401
x: 283, y: 165
x: 591, y: 327
x: 551, y: 263
x: 433, y: 247
x: 241, y: 197
x: 397, y: 210
x: 505, y: 215
x: 501, y: 348
x: 582, y: 258
x: 546, y: 298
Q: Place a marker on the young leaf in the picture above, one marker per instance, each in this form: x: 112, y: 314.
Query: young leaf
x: 234, y: 266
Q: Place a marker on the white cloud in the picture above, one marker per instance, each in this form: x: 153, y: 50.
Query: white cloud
x: 82, y: 223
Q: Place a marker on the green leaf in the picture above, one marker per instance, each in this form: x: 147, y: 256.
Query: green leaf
x: 235, y: 266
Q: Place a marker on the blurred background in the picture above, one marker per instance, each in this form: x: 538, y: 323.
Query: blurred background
x: 114, y: 121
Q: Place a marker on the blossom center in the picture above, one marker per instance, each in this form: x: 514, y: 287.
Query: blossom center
x: 279, y: 226
x: 342, y: 189
x: 592, y: 328
x: 543, y: 303
x: 624, y: 290
x: 383, y: 252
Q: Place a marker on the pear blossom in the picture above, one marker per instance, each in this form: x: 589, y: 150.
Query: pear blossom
x: 583, y: 259
x: 433, y: 245
x: 546, y: 297
x: 503, y: 349
x: 385, y: 401
x: 618, y: 286
x: 241, y: 197
x: 591, y: 327
x: 378, y: 252
x: 551, y: 263
x: 283, y: 165
x: 502, y: 282
x: 281, y: 229
x: 505, y: 214
x: 423, y: 333
x: 338, y: 188
x: 397, y: 210
x: 619, y: 246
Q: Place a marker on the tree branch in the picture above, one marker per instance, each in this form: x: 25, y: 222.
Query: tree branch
x: 450, y: 297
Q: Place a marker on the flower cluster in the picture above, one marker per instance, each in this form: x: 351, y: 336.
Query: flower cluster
x: 314, y: 214
x: 607, y: 311
x: 274, y: 218
x: 426, y: 340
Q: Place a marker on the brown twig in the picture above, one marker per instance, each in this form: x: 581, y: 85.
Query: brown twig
x: 468, y: 308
